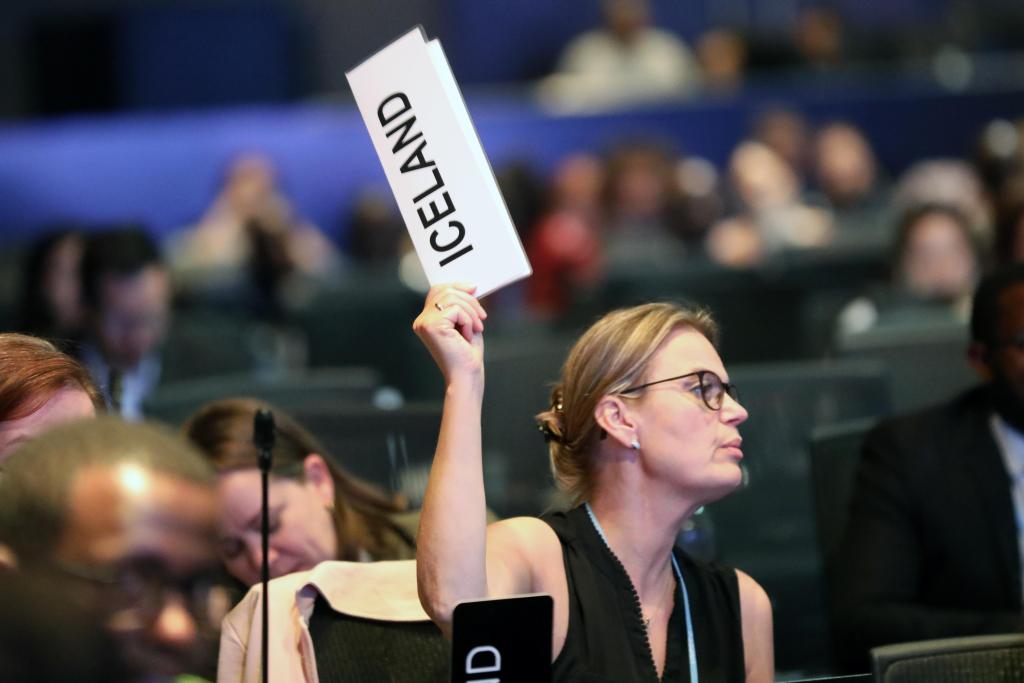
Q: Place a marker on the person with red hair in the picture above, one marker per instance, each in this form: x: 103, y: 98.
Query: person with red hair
x: 40, y: 387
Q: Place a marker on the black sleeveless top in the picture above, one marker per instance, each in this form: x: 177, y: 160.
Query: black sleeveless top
x: 606, y: 640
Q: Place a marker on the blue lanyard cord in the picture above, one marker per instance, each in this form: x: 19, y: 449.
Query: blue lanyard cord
x: 690, y: 647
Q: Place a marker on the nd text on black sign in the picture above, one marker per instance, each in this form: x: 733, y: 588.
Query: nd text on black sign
x: 502, y: 641
x: 434, y: 203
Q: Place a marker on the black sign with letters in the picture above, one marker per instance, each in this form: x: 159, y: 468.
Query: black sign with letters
x: 507, y: 640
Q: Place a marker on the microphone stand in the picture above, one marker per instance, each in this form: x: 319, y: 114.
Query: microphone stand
x: 264, y: 436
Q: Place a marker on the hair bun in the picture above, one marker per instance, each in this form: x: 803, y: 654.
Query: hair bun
x: 549, y: 434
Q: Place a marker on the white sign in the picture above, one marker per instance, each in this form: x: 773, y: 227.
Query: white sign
x: 436, y: 166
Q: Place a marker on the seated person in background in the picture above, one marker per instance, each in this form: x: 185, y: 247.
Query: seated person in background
x: 846, y: 174
x: 565, y: 247
x: 125, y: 516
x: 643, y: 429
x: 786, y: 132
x: 381, y: 592
x: 250, y: 243
x: 770, y: 216
x: 127, y: 295
x: 318, y: 511
x: 936, y: 263
x: 40, y: 387
x: 722, y: 58
x: 626, y: 61
x: 51, y: 290
x: 643, y: 222
x: 376, y: 233
x: 951, y: 182
x: 934, y: 541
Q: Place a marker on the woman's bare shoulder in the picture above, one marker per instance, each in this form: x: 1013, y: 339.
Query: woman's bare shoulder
x: 527, y: 547
x: 756, y: 611
x: 530, y: 535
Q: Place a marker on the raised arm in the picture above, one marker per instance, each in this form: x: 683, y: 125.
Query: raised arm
x: 451, y: 546
x: 458, y: 557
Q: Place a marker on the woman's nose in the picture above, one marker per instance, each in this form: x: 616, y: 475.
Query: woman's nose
x: 255, y: 553
x: 733, y: 411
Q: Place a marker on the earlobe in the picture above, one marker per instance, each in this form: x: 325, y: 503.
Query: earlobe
x: 613, y: 416
x: 318, y: 476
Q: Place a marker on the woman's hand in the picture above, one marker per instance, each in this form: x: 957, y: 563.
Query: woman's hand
x: 451, y: 326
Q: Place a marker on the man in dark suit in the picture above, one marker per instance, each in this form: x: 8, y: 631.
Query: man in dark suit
x: 127, y: 293
x: 934, y: 541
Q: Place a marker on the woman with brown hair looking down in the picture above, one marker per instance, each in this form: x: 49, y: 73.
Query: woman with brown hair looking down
x: 318, y: 511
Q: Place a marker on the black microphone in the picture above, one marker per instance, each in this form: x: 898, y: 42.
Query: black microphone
x: 264, y: 434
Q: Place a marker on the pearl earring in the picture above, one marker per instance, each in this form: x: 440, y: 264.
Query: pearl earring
x: 635, y: 445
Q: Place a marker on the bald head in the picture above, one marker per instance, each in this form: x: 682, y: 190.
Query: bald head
x: 127, y: 512
x: 38, y: 477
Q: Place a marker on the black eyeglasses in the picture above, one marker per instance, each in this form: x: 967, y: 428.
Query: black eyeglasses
x: 711, y: 387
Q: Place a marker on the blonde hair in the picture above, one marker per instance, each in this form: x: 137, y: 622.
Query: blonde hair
x: 610, y: 357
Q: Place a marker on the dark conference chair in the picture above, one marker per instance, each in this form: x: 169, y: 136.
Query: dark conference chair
x: 173, y: 402
x: 835, y: 452
x: 767, y: 528
x: 521, y: 368
x: 973, y: 659
x: 926, y: 359
x: 359, y: 650
x: 390, y: 447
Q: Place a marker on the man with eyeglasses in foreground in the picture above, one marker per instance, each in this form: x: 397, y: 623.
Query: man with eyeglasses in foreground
x: 935, y: 539
x: 122, y: 519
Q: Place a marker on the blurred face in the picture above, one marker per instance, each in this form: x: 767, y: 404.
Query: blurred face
x: 844, y: 163
x: 146, y: 542
x: 625, y: 18
x: 722, y: 56
x: 785, y: 132
x: 302, y: 533
x: 685, y: 443
x: 250, y: 184
x: 639, y: 189
x: 66, y: 404
x: 761, y: 177
x: 578, y: 182
x: 61, y: 283
x: 938, y: 262
x: 133, y: 315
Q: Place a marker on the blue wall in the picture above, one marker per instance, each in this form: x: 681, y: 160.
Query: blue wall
x: 164, y: 169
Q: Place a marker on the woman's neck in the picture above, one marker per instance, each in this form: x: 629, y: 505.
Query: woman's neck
x: 641, y: 533
x: 353, y: 537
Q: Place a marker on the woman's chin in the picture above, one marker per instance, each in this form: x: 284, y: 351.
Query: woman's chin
x: 725, y: 485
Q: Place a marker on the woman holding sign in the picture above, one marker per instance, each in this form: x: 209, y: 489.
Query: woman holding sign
x: 642, y: 431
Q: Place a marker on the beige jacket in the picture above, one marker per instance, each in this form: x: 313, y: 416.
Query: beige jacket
x: 372, y: 590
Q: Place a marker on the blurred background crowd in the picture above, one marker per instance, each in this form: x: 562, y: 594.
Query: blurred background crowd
x: 190, y: 204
